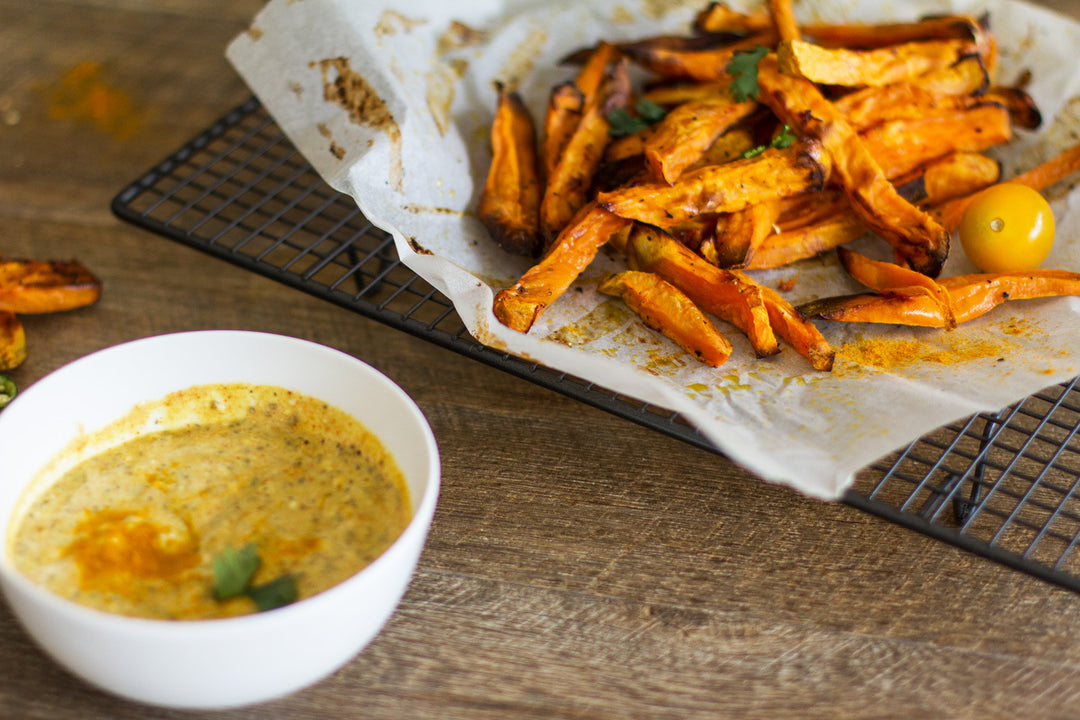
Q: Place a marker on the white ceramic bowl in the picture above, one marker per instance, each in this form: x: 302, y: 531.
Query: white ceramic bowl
x: 227, y: 662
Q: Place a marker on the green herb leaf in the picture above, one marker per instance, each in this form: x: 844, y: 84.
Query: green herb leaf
x: 743, y: 69
x: 784, y: 138
x: 781, y: 140
x: 8, y: 390
x: 623, y: 123
x: 274, y: 594
x: 233, y: 570
x: 754, y: 151
x: 649, y: 111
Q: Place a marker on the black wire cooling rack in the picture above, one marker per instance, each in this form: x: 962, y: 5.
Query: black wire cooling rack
x: 1003, y: 485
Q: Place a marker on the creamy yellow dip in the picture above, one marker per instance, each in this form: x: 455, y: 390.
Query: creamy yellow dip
x: 133, y: 529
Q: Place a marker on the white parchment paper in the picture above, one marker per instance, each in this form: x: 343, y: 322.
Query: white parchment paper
x: 414, y: 156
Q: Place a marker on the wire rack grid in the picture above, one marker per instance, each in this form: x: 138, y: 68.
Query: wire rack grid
x: 1003, y: 485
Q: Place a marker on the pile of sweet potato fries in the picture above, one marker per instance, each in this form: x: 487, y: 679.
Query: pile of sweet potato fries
x: 32, y: 287
x: 754, y: 144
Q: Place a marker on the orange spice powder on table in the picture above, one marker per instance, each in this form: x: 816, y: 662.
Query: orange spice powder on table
x: 82, y: 94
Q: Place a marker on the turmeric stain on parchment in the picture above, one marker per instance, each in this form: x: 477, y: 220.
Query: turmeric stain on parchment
x: 83, y: 94
x: 349, y: 90
x: 889, y: 354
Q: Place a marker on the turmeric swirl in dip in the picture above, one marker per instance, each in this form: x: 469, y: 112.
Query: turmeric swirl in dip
x: 133, y: 529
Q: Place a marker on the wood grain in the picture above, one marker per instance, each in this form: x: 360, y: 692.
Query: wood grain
x: 579, y: 566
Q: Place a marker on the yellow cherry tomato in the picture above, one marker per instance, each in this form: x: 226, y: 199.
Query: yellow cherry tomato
x: 1007, y: 227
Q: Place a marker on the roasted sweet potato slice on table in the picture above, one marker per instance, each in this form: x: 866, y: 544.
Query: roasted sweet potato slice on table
x: 723, y: 188
x: 12, y: 341
x: 520, y: 305
x: 31, y: 287
x: 921, y: 241
x: 665, y: 308
x: 509, y: 204
x: 720, y: 292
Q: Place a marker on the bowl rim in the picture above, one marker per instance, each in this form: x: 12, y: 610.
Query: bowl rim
x: 418, y: 524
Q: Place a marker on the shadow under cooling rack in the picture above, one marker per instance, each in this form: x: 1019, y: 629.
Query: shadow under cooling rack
x: 1004, y: 485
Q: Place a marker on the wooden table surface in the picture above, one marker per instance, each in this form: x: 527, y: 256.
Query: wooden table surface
x: 579, y: 565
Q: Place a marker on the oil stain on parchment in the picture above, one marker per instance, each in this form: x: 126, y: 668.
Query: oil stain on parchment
x: 459, y: 36
x: 604, y: 319
x: 440, y: 81
x: 1063, y: 133
x: 658, y: 9
x: 392, y: 22
x: 350, y: 91
x: 521, y: 62
x: 446, y: 70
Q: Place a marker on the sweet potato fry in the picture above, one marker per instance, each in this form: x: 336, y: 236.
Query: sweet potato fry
x: 719, y: 18
x: 971, y: 295
x: 890, y: 279
x: 806, y: 339
x: 520, y: 305
x: 1039, y: 177
x: 714, y: 290
x: 12, y: 341
x: 862, y: 68
x: 688, y: 131
x: 562, y: 117
x: 702, y: 65
x: 593, y: 73
x: 867, y: 37
x: 786, y: 247
x: 1023, y: 111
x: 955, y: 175
x: 814, y: 228
x: 671, y: 95
x: 736, y: 236
x: 31, y: 287
x: 899, y: 146
x: 723, y: 188
x: 667, y: 309
x: 567, y: 188
x: 568, y: 101
x: 913, y: 234
x: 627, y: 146
x: 730, y: 146
x: 509, y: 203
x: 783, y: 18
x: 906, y: 100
